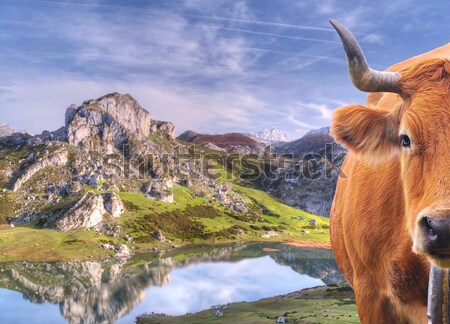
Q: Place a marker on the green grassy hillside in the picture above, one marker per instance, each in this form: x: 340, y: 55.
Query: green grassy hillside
x: 187, y: 220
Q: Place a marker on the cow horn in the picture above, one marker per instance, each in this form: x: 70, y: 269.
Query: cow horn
x: 363, y: 76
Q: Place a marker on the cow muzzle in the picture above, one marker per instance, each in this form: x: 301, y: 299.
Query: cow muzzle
x: 433, y: 237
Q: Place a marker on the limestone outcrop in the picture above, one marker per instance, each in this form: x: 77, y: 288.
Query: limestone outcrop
x: 107, y: 122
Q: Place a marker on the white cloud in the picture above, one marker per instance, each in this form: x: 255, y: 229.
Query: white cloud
x: 299, y: 124
x: 373, y: 38
x: 310, y: 107
x: 45, y: 100
x: 212, y: 66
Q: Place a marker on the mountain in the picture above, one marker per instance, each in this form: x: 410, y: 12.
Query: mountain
x: 188, y: 136
x: 111, y: 143
x: 230, y: 142
x: 307, y: 176
x: 269, y: 136
x: 114, y: 170
x: 315, y: 141
x: 301, y: 173
x: 323, y: 130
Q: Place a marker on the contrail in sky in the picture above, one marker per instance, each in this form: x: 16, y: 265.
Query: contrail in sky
x: 264, y: 23
x: 270, y: 34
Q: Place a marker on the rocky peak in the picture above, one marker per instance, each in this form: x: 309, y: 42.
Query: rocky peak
x: 123, y: 109
x: 107, y: 122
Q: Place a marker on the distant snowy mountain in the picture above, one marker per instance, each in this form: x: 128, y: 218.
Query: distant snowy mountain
x: 6, y: 130
x: 270, y: 135
x: 319, y: 131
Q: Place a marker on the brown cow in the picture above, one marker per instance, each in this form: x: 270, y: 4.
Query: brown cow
x: 391, y: 214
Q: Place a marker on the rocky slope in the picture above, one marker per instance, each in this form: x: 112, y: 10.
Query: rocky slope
x: 302, y: 173
x: 313, y: 142
x: 113, y: 170
x: 306, y: 176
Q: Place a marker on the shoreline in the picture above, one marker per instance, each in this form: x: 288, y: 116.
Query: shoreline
x: 101, y: 255
x: 320, y: 305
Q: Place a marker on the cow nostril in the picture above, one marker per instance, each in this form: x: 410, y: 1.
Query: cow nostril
x: 429, y: 226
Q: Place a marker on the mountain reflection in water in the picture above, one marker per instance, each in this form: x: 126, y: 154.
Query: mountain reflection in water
x: 184, y: 280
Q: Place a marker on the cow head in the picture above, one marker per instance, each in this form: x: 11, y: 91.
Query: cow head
x: 415, y: 130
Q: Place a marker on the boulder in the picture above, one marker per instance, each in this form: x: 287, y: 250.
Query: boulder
x: 122, y: 251
x: 87, y: 212
x: 158, y: 235
x: 108, y: 247
x: 93, y: 180
x: 157, y: 191
x: 113, y: 204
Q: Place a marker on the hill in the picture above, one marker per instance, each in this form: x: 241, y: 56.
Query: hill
x: 230, y: 142
x: 307, y: 172
x: 114, y: 180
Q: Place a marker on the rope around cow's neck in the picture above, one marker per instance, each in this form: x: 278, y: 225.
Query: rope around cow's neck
x: 438, y: 296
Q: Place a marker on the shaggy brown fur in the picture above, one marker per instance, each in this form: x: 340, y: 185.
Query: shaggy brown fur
x: 376, y: 208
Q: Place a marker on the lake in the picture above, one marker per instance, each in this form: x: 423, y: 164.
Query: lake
x: 185, y: 280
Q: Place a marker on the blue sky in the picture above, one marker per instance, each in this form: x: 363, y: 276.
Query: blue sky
x: 209, y: 65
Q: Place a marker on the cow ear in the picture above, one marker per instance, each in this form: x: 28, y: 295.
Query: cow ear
x: 370, y: 133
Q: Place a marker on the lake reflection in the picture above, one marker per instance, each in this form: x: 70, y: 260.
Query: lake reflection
x: 182, y: 281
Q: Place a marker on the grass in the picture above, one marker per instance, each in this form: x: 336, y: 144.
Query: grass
x: 294, y: 219
x: 30, y: 244
x: 7, y: 206
x: 202, y: 220
x: 321, y: 305
x: 189, y: 220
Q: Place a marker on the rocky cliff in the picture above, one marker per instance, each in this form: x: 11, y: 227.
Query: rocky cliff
x: 110, y: 122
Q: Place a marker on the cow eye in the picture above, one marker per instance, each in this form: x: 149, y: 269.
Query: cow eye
x: 405, y: 140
